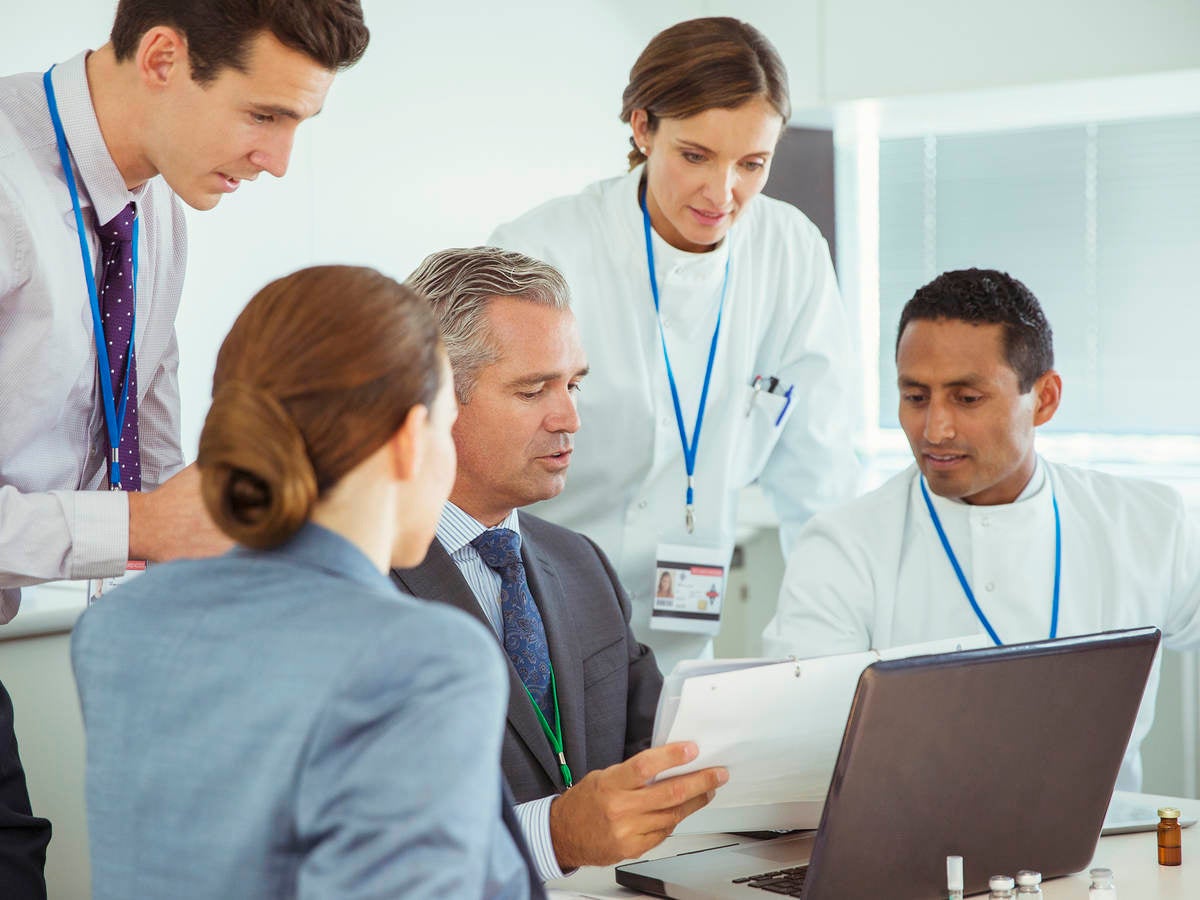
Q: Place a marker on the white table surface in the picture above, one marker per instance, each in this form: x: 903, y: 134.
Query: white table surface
x: 1132, y: 857
x: 49, y: 608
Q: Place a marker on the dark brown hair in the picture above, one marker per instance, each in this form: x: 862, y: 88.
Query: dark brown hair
x: 218, y: 32
x: 318, y: 372
x: 712, y: 63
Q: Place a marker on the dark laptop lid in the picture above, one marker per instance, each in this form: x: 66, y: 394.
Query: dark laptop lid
x: 1005, y: 756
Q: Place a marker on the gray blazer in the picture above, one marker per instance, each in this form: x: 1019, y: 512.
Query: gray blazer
x: 287, y: 724
x: 608, y: 683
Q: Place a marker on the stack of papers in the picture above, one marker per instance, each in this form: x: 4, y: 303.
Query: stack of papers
x: 776, y: 725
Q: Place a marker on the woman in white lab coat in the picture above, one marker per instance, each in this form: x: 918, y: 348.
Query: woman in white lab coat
x: 719, y: 349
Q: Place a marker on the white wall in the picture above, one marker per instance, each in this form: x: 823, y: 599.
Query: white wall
x: 463, y: 114
x: 876, y: 48
x: 840, y: 50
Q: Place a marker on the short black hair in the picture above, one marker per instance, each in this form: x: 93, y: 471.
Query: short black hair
x: 986, y: 296
x: 330, y: 32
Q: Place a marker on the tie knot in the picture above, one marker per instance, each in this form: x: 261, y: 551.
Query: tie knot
x: 499, y: 547
x: 120, y: 228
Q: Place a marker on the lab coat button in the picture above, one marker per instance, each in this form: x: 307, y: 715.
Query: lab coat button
x: 985, y: 521
x: 642, y: 504
x: 990, y: 586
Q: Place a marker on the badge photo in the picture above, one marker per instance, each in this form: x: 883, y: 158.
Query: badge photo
x: 689, y: 588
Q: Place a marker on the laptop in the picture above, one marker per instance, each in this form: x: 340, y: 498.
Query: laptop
x: 1006, y: 756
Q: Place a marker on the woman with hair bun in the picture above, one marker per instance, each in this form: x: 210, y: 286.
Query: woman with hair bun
x: 720, y: 353
x: 281, y: 721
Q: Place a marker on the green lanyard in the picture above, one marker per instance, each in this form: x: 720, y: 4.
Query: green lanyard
x: 554, y: 735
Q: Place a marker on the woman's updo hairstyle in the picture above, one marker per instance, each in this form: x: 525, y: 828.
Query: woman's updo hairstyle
x: 318, y: 372
x: 712, y: 63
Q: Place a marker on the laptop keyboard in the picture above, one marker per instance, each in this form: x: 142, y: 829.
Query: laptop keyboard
x: 786, y: 882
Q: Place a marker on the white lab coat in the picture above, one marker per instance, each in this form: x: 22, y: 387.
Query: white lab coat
x: 873, y: 573
x: 782, y: 317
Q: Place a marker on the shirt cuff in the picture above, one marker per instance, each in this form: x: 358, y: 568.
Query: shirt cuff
x: 99, y: 532
x: 534, y: 818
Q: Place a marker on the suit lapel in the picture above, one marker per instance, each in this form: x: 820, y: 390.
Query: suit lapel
x: 562, y: 637
x: 438, y: 577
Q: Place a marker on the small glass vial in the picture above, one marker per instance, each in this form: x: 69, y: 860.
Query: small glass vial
x: 1001, y: 887
x: 1029, y: 884
x: 1102, y: 887
x: 954, y: 877
x: 1170, y: 853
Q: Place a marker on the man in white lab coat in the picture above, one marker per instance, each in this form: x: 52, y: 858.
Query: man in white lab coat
x: 982, y: 535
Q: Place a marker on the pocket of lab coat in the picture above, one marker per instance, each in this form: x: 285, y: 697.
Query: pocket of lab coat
x: 759, y: 433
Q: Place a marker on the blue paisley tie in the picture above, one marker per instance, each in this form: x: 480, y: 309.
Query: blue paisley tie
x: 524, y: 634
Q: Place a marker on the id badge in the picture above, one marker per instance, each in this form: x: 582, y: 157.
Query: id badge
x: 689, y: 588
x: 97, y: 587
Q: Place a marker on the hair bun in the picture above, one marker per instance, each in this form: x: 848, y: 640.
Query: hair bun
x: 257, y: 480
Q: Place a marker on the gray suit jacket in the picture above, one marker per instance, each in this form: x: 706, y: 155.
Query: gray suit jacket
x: 286, y: 724
x: 608, y: 683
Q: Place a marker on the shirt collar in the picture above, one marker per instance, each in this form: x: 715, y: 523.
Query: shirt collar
x: 1032, y: 488
x: 456, y: 529
x: 102, y: 181
x: 1037, y: 481
x: 318, y: 547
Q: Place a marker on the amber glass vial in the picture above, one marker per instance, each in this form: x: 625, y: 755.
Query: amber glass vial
x: 1170, y: 853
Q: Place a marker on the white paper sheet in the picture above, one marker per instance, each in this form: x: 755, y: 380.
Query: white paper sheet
x: 776, y: 726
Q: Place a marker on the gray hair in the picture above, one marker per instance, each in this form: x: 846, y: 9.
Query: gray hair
x: 461, y: 282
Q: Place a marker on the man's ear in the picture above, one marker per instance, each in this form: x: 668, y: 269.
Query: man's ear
x: 1048, y: 392
x: 161, y: 55
x: 408, y: 444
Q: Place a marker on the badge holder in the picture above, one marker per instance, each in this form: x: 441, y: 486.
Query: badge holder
x: 97, y: 587
x: 689, y: 588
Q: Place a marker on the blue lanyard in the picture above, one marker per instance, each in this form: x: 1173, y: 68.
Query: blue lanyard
x: 689, y: 448
x: 962, y: 579
x: 114, y: 415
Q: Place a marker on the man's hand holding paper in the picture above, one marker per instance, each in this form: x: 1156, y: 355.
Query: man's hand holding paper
x: 620, y: 812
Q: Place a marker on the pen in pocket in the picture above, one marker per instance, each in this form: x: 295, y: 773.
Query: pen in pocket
x: 757, y: 385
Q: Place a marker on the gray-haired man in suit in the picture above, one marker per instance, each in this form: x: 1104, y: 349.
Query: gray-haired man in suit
x: 582, y: 690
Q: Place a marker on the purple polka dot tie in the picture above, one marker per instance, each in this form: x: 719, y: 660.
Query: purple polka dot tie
x: 524, y: 633
x: 116, y: 311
